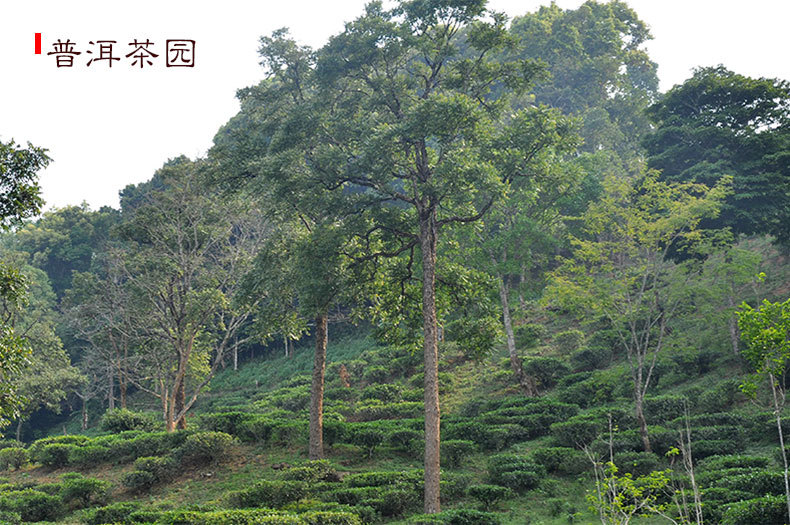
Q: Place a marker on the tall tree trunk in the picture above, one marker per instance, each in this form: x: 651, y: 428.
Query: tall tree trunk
x: 111, y: 389
x: 236, y: 356
x: 639, y: 400
x: 317, y: 389
x: 428, y: 242
x: 179, y: 405
x: 515, y: 361
x: 84, y: 413
x: 123, y: 376
x: 19, y: 429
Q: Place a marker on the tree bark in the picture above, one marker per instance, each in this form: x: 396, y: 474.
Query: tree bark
x: 639, y: 399
x: 236, y: 356
x: 317, y: 390
x: 19, y: 429
x: 84, y: 414
x: 180, y: 400
x: 111, y: 389
x: 428, y: 243
x: 525, y: 383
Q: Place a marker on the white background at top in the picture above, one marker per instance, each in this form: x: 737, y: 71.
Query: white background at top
x: 109, y: 128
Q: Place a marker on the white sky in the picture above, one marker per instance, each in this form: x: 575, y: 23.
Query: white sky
x: 106, y: 128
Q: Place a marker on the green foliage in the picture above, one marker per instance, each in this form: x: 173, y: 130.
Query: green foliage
x: 407, y: 441
x: 577, y: 431
x: 766, y: 509
x: 55, y: 455
x: 32, y: 505
x: 529, y: 335
x: 150, y: 471
x: 515, y: 472
x: 561, y: 460
x: 273, y: 494
x: 13, y: 458
x: 114, y: 513
x: 636, y: 463
x: 121, y: 420
x: 80, y: 492
x: 457, y: 517
x: 662, y: 409
x: 489, y: 495
x: 387, y: 393
x: 620, y: 497
x: 569, y: 341
x: 546, y: 371
x: 312, y: 472
x: 205, y: 447
x: 368, y: 438
x: 591, y: 358
x: 455, y: 450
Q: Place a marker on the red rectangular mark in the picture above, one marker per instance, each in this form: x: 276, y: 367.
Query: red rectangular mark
x: 38, y: 43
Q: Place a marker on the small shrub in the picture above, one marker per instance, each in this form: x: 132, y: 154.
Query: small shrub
x: 313, y: 472
x: 121, y: 419
x: 767, y: 509
x: 387, y: 393
x: 529, y: 335
x: 547, y: 371
x: 375, y: 374
x: 89, y: 456
x: 733, y: 461
x: 592, y: 358
x: 80, y: 492
x: 273, y: 494
x: 577, y: 432
x: 114, y: 513
x: 515, y: 472
x: 227, y: 422
x: 32, y: 505
x: 205, y: 447
x: 138, y: 481
x: 636, y: 463
x: 257, y: 429
x: 454, y: 450
x: 569, y: 341
x: 405, y: 440
x: 394, y: 502
x: 457, y: 517
x: 13, y: 458
x: 55, y: 455
x: 662, y: 409
x: 368, y: 438
x: 489, y: 495
x: 561, y: 460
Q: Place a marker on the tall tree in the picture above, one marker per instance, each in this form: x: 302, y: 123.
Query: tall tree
x: 623, y: 271
x: 411, y: 136
x: 19, y: 199
x: 766, y: 332
x: 599, y: 70
x: 719, y: 123
x: 188, y: 252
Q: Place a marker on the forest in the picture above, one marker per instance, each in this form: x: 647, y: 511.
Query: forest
x: 448, y: 268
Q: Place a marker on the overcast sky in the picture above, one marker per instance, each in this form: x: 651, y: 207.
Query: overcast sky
x: 109, y: 127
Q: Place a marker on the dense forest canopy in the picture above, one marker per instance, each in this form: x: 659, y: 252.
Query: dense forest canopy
x: 529, y: 240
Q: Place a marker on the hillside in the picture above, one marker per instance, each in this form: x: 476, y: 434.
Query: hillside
x: 507, y: 458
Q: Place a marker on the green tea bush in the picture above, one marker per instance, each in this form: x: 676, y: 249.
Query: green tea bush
x: 228, y: 517
x: 529, y: 335
x: 561, y: 460
x: 387, y: 393
x: 10, y: 443
x: 759, y: 482
x: 121, y: 419
x: 150, y: 471
x: 256, y: 429
x: 80, y: 492
x: 662, y: 409
x: 733, y: 461
x: 457, y: 517
x: 577, y: 431
x: 113, y: 513
x: 454, y: 450
x: 55, y: 455
x: 205, y: 447
x: 489, y: 495
x: 486, y: 436
x: 138, y: 481
x: 547, y: 371
x: 13, y: 458
x: 377, y: 410
x: 591, y: 358
x: 89, y: 456
x: 368, y: 438
x: 227, y: 422
x: 716, y: 447
x: 766, y: 509
x: 32, y: 505
x: 636, y: 463
x: 384, y: 478
x: 272, y: 494
x: 569, y: 341
x: 375, y: 374
x: 515, y: 472
x: 312, y: 472
x: 406, y: 440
